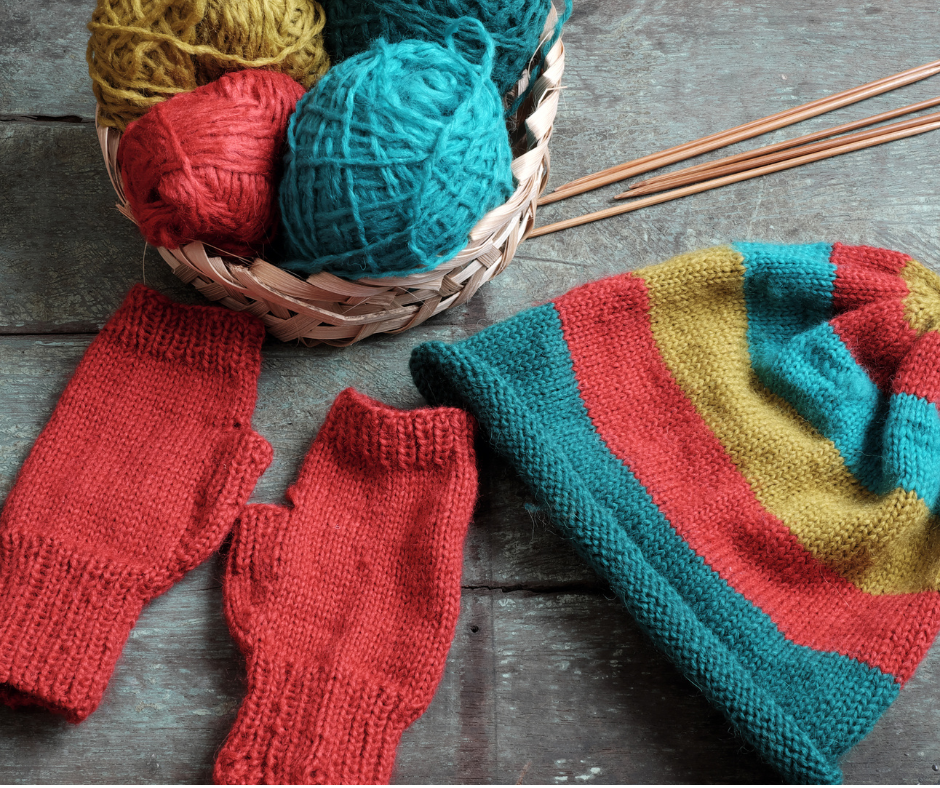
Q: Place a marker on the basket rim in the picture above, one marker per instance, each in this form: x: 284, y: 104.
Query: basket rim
x: 328, y: 308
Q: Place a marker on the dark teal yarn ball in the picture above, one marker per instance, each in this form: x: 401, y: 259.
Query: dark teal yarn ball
x: 394, y: 157
x: 515, y: 25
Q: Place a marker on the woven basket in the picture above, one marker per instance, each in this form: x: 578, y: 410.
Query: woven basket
x: 325, y: 308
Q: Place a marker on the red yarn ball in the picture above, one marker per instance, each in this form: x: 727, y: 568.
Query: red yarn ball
x: 203, y: 166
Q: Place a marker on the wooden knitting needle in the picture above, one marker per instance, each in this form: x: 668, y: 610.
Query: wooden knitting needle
x: 729, y: 179
x: 778, y: 120
x: 791, y: 143
x: 825, y: 104
x: 759, y: 161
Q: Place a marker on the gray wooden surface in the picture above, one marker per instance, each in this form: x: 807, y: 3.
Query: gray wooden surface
x: 549, y: 681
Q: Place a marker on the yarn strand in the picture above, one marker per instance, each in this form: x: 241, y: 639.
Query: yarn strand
x: 515, y: 26
x: 202, y: 166
x: 142, y: 52
x: 394, y: 157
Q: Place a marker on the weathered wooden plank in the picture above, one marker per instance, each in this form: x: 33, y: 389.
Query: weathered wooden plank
x: 540, y: 688
x: 648, y: 75
x: 519, y: 547
x: 904, y: 746
x: 455, y: 740
x: 644, y: 77
x: 67, y: 257
x: 584, y: 698
x: 42, y: 59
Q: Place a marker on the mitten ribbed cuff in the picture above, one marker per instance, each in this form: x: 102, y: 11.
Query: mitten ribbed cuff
x: 377, y: 434
x: 309, y: 728
x: 64, y: 618
x: 206, y: 337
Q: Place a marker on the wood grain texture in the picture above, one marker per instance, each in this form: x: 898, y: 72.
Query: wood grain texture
x: 549, y: 680
x: 42, y: 59
x: 67, y: 257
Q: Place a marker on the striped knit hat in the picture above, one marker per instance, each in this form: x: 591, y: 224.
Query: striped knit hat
x: 745, y: 442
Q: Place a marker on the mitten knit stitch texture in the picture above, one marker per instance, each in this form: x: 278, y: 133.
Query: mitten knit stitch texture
x: 345, y: 605
x: 137, y: 478
x: 745, y: 442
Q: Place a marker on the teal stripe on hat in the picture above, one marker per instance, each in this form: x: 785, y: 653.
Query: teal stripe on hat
x: 788, y: 290
x: 912, y: 441
x: 800, y: 707
x: 817, y: 374
x: 797, y: 354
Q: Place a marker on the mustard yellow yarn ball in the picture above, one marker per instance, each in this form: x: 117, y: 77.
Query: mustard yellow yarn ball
x: 141, y: 52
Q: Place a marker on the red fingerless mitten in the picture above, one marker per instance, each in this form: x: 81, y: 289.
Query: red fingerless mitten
x: 345, y: 605
x: 137, y: 478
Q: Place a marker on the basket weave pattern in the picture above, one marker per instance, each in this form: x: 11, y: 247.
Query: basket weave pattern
x: 325, y: 308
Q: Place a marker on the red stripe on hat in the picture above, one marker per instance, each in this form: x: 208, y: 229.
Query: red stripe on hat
x: 919, y: 374
x: 865, y: 274
x: 878, y: 337
x: 868, y: 297
x: 647, y: 422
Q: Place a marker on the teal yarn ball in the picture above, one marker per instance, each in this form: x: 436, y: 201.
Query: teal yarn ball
x: 393, y: 158
x: 515, y: 25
